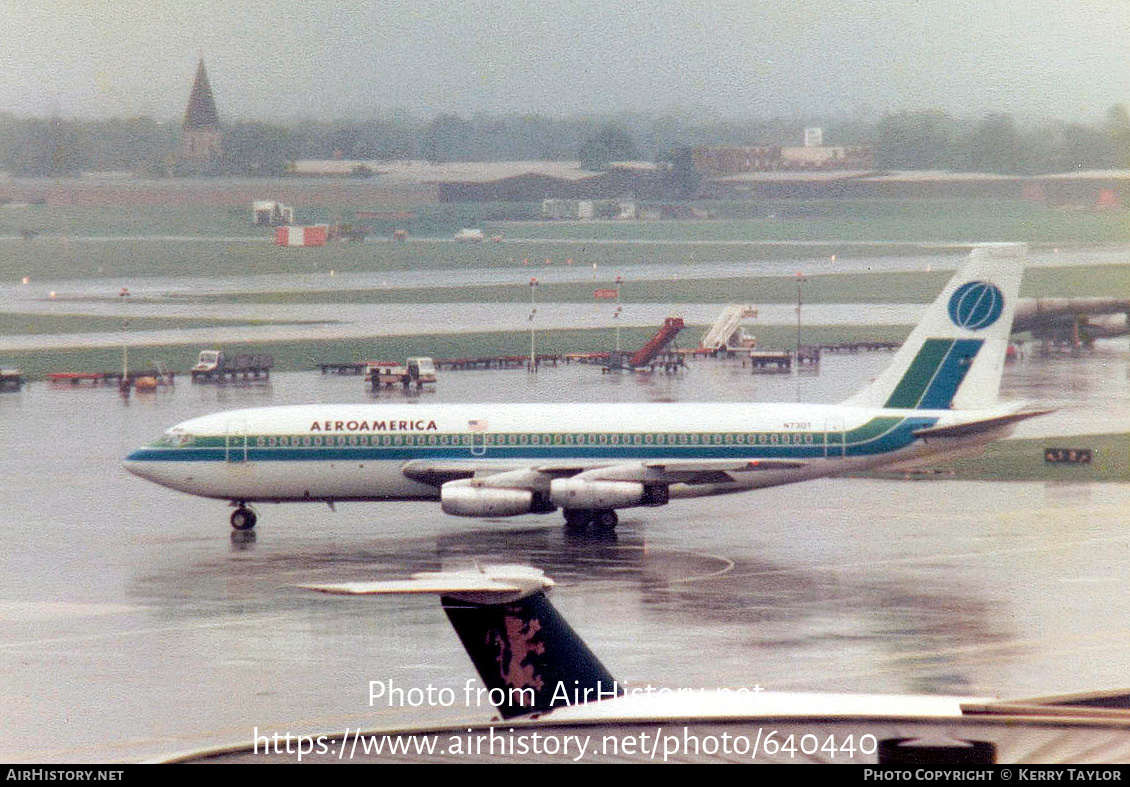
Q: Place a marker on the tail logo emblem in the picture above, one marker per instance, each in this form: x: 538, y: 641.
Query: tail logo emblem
x: 976, y: 305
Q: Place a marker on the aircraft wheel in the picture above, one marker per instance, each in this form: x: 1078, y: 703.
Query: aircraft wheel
x: 577, y: 518
x: 243, y: 518
x: 606, y: 520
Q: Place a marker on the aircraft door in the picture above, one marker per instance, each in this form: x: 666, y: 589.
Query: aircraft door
x: 834, y: 438
x: 478, y: 437
x: 235, y: 443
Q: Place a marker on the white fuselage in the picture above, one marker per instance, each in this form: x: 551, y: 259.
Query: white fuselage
x: 361, y: 452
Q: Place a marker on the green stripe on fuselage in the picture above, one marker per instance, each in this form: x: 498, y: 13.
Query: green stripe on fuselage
x: 873, y: 429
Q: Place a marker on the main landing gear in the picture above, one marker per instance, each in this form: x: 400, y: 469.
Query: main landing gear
x: 580, y: 519
x: 243, y: 518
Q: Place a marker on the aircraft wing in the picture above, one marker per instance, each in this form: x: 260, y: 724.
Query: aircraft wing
x: 439, y: 473
x: 710, y: 471
x: 702, y: 471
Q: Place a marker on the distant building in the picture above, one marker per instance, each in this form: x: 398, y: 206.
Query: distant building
x: 200, y: 138
x: 720, y: 161
x: 714, y: 162
x: 567, y: 209
x: 502, y: 181
x: 813, y: 183
x: 589, y: 209
x: 828, y: 157
x: 1092, y: 189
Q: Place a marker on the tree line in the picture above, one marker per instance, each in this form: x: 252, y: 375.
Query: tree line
x: 923, y: 140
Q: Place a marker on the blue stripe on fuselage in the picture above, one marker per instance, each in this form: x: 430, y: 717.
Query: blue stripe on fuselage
x: 900, y: 435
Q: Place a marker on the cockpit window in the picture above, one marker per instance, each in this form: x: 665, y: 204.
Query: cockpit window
x: 175, y: 439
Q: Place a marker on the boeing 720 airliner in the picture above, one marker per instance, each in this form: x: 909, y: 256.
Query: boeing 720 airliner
x: 937, y: 399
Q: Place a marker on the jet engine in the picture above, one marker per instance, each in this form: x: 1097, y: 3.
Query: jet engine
x: 462, y: 498
x: 583, y: 493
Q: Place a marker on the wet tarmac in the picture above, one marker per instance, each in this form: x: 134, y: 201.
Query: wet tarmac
x: 133, y: 623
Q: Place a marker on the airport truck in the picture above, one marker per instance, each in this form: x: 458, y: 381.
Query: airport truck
x: 215, y: 365
x: 418, y: 371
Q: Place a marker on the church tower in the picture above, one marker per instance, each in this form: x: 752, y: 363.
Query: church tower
x: 200, y: 140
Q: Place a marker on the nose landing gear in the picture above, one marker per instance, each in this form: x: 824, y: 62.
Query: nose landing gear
x: 243, y: 518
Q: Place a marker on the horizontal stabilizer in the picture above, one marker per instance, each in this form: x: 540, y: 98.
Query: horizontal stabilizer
x: 978, y: 427
x: 488, y: 585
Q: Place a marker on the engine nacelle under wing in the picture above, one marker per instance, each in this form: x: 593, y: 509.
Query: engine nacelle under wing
x: 464, y: 498
x: 584, y: 493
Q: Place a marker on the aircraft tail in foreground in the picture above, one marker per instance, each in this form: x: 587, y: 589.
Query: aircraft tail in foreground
x: 527, y: 655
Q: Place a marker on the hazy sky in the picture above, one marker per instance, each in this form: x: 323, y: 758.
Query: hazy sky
x: 327, y: 59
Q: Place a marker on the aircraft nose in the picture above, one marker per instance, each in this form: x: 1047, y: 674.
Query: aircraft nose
x: 137, y: 464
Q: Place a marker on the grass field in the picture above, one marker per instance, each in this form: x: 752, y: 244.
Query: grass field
x: 113, y: 243
x: 1023, y: 460
x: 896, y: 287
x: 67, y: 245
x: 864, y: 221
x: 832, y: 221
x: 52, y: 258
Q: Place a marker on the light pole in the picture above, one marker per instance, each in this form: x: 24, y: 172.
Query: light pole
x: 533, y: 367
x: 123, y: 386
x: 800, y: 279
x: 616, y: 316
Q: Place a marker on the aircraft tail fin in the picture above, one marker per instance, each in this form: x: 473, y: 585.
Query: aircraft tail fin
x: 955, y: 356
x: 525, y: 652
